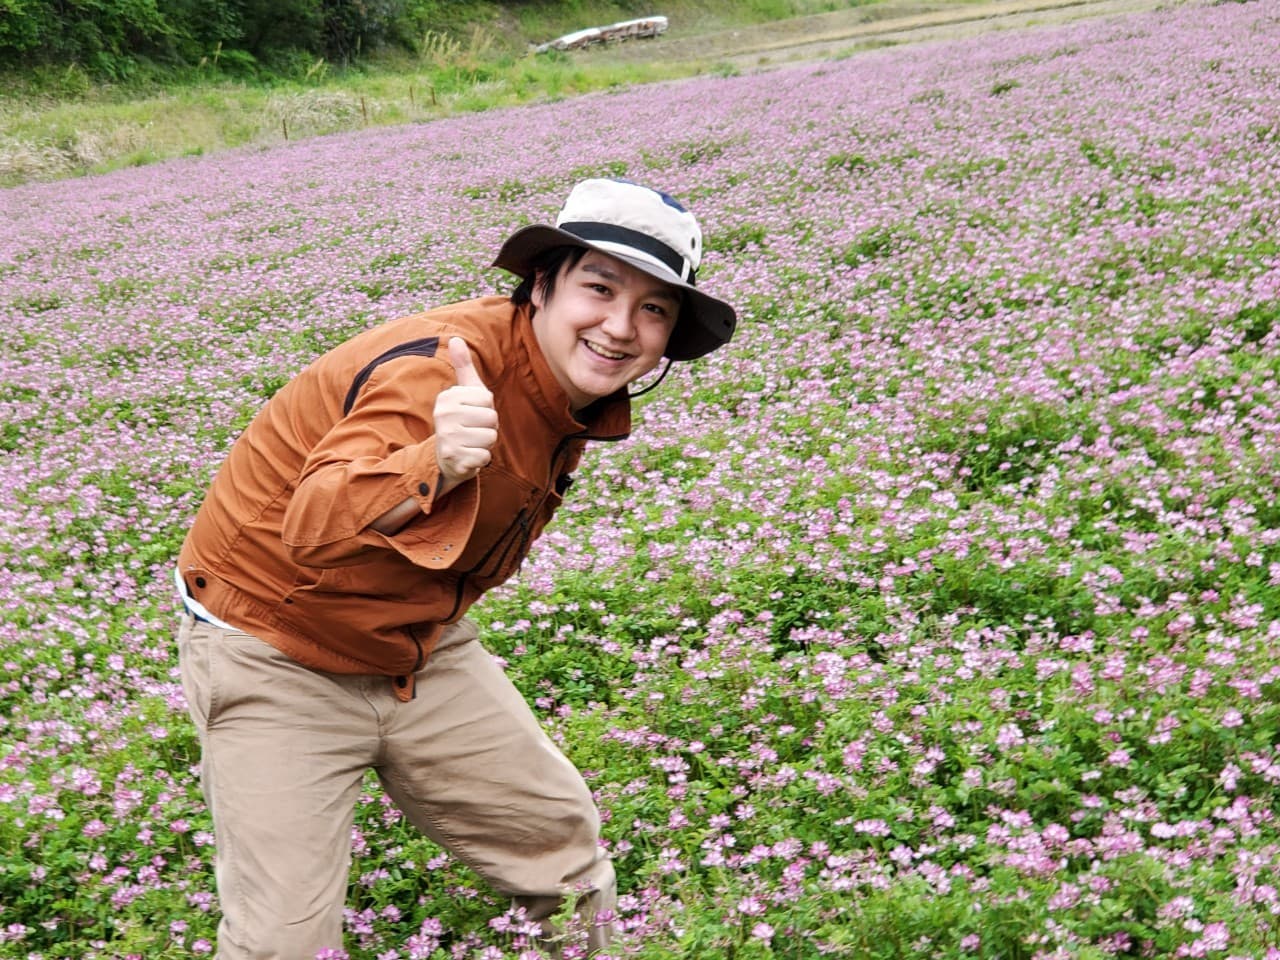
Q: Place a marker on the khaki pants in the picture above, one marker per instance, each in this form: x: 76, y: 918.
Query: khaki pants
x: 285, y: 749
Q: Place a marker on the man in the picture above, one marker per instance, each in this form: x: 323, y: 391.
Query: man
x: 362, y: 512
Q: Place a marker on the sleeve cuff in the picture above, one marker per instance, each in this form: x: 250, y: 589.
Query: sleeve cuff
x: 436, y: 538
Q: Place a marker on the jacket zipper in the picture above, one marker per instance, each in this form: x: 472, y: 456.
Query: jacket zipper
x: 402, y: 680
x: 521, y: 521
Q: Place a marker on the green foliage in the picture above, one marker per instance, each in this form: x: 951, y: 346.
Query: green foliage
x: 20, y: 29
x: 738, y: 238
x: 845, y: 161
x: 105, y: 35
x: 875, y: 243
x: 115, y: 39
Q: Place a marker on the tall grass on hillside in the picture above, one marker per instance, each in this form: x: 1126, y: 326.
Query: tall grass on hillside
x: 60, y: 120
x: 936, y: 616
x: 43, y: 139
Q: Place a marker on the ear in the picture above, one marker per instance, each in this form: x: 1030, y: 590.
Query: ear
x: 536, y: 293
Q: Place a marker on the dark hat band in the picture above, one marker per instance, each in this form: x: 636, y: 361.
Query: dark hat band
x: 595, y: 232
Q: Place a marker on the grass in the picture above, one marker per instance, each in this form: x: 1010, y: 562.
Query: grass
x: 58, y: 122
x: 98, y: 131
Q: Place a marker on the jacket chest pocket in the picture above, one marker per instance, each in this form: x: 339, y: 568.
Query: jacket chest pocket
x: 503, y: 521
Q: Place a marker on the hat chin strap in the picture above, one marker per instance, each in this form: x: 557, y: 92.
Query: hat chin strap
x: 662, y: 376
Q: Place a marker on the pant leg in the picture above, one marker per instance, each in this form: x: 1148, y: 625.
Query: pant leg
x: 284, y: 750
x: 471, y: 767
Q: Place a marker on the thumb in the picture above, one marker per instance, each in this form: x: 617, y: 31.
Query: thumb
x: 460, y: 357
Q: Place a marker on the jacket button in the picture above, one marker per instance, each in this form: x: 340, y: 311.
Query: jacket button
x: 423, y: 489
x: 201, y: 582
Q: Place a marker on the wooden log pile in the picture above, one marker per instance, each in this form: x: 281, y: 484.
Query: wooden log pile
x: 643, y: 27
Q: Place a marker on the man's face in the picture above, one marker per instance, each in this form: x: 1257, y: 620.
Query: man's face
x: 605, y: 325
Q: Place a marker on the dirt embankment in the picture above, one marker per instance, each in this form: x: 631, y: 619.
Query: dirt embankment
x: 875, y: 25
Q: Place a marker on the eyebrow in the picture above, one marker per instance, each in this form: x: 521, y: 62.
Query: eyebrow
x: 608, y: 273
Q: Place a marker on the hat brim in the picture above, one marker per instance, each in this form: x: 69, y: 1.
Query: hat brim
x: 705, y: 324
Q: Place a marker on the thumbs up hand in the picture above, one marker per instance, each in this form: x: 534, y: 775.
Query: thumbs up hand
x: 466, y: 420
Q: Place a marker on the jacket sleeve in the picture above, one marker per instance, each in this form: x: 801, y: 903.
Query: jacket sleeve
x: 374, y: 458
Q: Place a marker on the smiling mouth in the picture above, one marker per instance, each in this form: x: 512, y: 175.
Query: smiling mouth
x: 600, y: 351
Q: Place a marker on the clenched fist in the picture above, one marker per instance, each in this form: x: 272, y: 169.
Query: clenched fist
x: 466, y: 421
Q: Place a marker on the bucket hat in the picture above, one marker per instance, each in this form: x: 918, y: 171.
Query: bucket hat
x: 645, y: 228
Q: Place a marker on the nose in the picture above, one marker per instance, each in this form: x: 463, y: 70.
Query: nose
x: 618, y: 323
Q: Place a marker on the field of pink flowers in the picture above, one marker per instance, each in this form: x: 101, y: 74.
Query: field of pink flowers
x: 936, y: 617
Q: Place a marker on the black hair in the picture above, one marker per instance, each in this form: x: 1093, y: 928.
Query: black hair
x: 549, y: 262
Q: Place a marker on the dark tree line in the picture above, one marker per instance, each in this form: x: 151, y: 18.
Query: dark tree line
x: 111, y: 37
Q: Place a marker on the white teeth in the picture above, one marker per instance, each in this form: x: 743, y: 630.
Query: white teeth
x: 602, y: 352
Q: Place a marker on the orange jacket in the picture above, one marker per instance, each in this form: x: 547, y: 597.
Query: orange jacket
x: 281, y: 547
